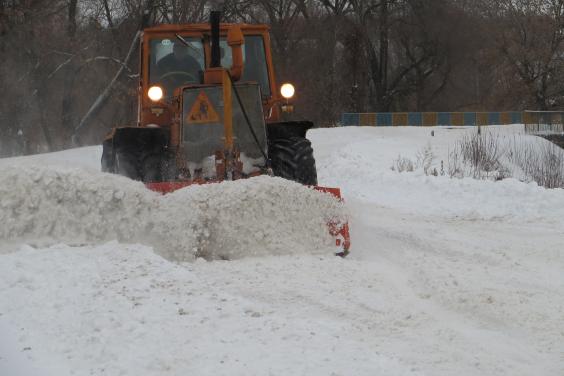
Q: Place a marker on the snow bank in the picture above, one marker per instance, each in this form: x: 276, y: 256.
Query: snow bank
x: 231, y: 220
x: 57, y: 204
x: 86, y: 158
x: 359, y: 160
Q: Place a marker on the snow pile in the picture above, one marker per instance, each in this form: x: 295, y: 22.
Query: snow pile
x: 250, y: 217
x: 85, y: 158
x: 66, y: 205
x: 253, y: 217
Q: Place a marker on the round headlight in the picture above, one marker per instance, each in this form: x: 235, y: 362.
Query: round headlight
x: 287, y: 91
x: 155, y: 93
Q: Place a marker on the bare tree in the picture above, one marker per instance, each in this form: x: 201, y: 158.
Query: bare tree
x: 146, y: 12
x: 69, y: 66
x: 531, y: 38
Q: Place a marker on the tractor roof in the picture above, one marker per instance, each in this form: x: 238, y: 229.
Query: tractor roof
x: 203, y: 27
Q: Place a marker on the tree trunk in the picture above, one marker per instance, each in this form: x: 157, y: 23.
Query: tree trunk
x: 69, y: 73
x: 384, y: 41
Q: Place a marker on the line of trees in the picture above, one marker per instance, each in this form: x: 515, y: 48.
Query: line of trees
x: 58, y: 56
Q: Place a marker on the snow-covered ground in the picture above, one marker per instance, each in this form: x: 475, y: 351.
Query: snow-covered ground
x: 445, y: 276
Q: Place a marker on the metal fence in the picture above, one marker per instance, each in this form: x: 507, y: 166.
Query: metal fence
x: 544, y: 122
x: 535, y: 121
x: 431, y: 119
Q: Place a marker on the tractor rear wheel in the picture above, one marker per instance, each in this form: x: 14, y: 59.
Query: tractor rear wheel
x: 292, y: 158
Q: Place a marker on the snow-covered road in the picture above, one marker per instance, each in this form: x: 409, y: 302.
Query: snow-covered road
x: 445, y: 277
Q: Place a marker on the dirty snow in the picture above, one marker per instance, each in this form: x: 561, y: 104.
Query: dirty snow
x: 445, y: 277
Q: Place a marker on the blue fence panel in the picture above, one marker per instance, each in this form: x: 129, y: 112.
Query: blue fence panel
x: 493, y: 118
x: 348, y: 119
x: 443, y: 118
x: 415, y: 118
x: 516, y: 118
x: 384, y: 119
x: 469, y: 118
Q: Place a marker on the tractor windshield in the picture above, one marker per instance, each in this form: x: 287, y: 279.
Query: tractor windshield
x: 174, y: 64
x: 254, y: 59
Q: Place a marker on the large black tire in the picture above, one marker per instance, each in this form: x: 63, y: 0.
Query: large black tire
x: 138, y: 153
x: 108, y: 158
x: 151, y: 169
x: 122, y: 162
x: 127, y: 164
x: 292, y: 158
x: 158, y: 168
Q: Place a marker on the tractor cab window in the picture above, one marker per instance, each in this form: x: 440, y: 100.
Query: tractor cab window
x: 173, y: 63
x: 254, y: 59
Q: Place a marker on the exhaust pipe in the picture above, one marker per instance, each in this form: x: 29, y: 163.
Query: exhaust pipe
x: 215, y: 18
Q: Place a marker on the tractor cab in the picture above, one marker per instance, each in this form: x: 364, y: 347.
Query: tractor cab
x: 177, y: 56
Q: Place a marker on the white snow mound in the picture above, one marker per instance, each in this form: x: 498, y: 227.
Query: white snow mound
x: 231, y: 220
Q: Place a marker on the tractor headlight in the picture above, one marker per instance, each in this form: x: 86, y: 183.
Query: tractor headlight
x: 155, y: 93
x: 287, y: 90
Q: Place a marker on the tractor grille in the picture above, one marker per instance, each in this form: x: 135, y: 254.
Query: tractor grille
x: 203, y: 129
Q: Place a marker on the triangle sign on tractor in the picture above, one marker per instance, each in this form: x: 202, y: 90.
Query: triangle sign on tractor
x: 202, y: 111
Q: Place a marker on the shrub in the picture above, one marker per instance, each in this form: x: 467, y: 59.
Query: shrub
x: 478, y: 155
x: 425, y: 158
x: 543, y: 164
x: 483, y: 152
x: 402, y: 164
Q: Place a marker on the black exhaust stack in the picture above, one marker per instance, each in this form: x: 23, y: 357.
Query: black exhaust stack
x: 215, y: 18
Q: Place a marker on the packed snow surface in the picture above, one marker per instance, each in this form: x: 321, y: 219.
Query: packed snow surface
x: 445, y: 277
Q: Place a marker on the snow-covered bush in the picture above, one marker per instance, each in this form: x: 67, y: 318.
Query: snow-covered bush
x: 487, y: 155
x: 425, y: 158
x: 455, y: 167
x: 483, y: 152
x: 539, y: 162
x: 492, y: 155
x: 480, y: 155
x: 402, y: 164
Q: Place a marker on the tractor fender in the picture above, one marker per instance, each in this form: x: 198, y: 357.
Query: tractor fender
x: 134, y: 143
x: 287, y: 129
x: 139, y: 138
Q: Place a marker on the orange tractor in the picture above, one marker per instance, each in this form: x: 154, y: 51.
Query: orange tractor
x: 210, y: 110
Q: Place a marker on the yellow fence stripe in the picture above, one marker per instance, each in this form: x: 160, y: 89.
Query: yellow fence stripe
x: 430, y: 119
x: 399, y: 119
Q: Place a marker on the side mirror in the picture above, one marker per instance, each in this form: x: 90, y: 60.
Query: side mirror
x: 235, y: 40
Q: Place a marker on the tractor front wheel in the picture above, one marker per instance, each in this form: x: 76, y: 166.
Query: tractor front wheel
x: 127, y: 165
x: 151, y: 167
x: 292, y: 158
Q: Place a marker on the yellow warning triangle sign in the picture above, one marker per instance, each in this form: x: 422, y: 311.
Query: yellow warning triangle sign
x: 202, y: 111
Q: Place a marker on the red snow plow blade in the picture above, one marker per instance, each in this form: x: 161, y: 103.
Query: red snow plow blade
x: 339, y: 231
